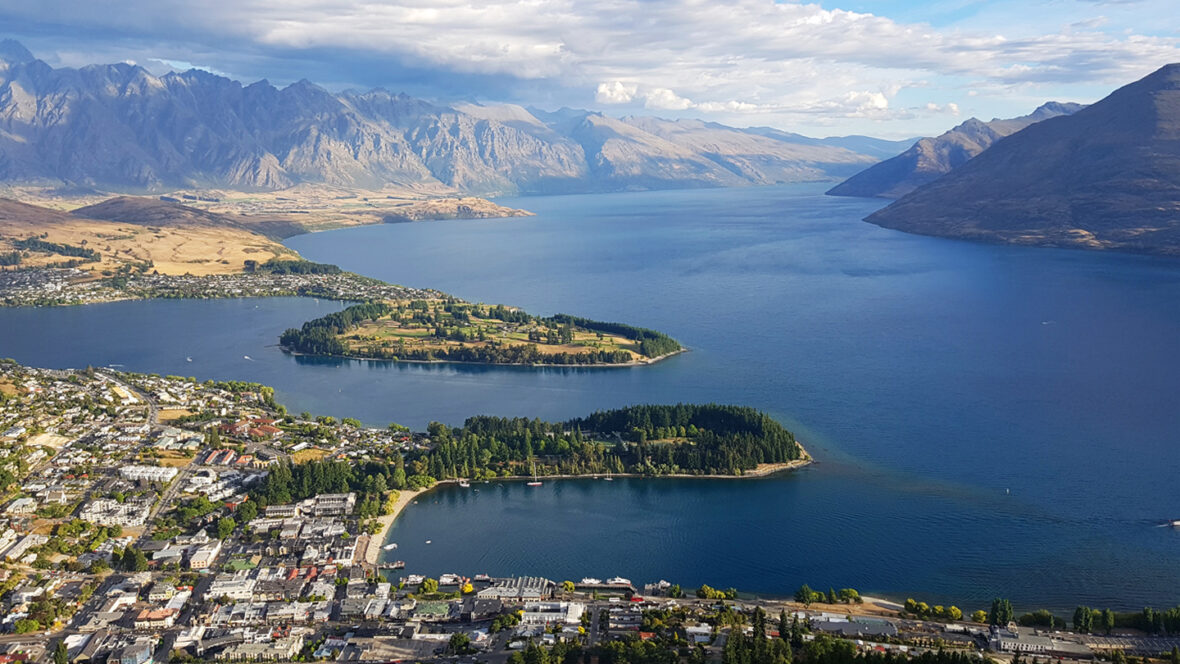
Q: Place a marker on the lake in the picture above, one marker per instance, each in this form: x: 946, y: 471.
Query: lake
x: 989, y: 420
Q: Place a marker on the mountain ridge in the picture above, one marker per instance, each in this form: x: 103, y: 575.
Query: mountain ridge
x: 121, y: 128
x: 930, y: 158
x: 1106, y: 177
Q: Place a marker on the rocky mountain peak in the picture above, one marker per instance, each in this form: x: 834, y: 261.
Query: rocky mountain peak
x: 14, y: 53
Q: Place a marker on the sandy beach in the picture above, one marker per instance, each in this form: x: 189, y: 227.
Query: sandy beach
x: 377, y: 540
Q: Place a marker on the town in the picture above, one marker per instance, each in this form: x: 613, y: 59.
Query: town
x: 55, y: 286
x: 161, y: 519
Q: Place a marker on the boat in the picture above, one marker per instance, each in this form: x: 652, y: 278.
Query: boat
x: 591, y: 581
x: 188, y: 359
x: 428, y: 541
x: 482, y: 577
x: 619, y: 581
x: 608, y: 478
x: 1175, y: 523
x: 464, y: 483
x: 535, y: 481
x: 398, y: 564
x: 391, y: 546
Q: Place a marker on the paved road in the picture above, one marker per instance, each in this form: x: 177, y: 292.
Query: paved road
x: 153, y: 407
x: 153, y: 421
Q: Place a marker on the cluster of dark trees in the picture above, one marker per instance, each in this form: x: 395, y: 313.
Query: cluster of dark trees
x: 1088, y: 620
x: 561, y: 334
x: 289, y: 482
x: 723, y: 440
x: 496, y: 353
x: 631, y: 651
x: 1041, y: 618
x: 319, y: 336
x: 713, y: 439
x: 37, y: 244
x: 10, y: 258
x: 651, y: 343
x: 292, y: 266
x: 130, y: 559
x: 760, y: 646
x: 828, y: 650
x: 501, y: 312
x: 806, y: 596
x: 1092, y: 621
x: 1001, y: 612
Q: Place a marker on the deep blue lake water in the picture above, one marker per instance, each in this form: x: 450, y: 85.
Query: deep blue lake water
x: 989, y: 420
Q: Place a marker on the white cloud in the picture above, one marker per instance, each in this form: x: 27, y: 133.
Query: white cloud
x: 951, y: 108
x: 853, y: 104
x: 666, y: 100
x: 791, y: 59
x: 615, y: 92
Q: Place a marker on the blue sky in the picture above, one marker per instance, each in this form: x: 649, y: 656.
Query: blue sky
x: 890, y: 68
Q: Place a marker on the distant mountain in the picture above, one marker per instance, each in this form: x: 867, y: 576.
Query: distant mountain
x: 879, y: 148
x: 931, y: 158
x: 1107, y: 176
x: 119, y: 127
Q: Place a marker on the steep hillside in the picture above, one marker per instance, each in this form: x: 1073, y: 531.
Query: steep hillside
x: 931, y: 158
x: 1107, y: 176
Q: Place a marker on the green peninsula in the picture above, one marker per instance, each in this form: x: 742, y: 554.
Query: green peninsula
x: 686, y: 440
x: 445, y: 329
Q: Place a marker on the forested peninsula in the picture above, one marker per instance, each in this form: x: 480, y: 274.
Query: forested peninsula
x: 652, y: 441
x: 451, y: 330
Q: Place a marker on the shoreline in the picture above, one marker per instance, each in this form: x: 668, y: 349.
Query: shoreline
x: 407, y: 497
x: 622, y: 365
x: 377, y: 542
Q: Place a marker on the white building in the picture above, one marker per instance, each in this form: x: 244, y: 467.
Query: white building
x: 548, y: 613
x: 238, y: 587
x: 698, y: 633
x: 334, y: 504
x: 204, y: 556
x: 24, y: 545
x: 148, y: 473
x: 22, y: 506
x: 110, y: 512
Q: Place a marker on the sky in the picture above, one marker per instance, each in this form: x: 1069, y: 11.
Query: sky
x: 887, y: 68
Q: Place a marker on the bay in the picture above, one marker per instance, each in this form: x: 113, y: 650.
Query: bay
x: 989, y: 420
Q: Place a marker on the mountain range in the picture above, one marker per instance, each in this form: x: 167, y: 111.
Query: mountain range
x: 1107, y: 176
x: 119, y: 127
x: 930, y: 158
